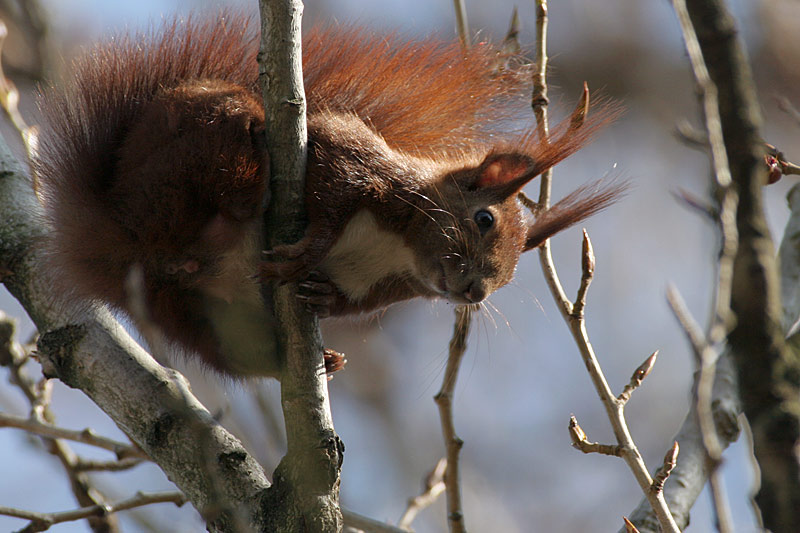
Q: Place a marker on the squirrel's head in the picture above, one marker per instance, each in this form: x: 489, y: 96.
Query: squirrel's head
x: 475, y: 227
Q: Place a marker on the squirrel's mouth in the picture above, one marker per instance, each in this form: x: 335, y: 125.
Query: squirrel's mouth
x: 452, y: 296
x: 442, y: 281
x: 436, y: 281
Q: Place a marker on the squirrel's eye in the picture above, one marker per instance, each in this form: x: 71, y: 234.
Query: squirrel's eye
x: 484, y: 219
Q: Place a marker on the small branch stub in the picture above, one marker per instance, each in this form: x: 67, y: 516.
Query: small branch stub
x: 587, y: 268
x: 670, y: 462
x: 638, y: 377
x: 581, y: 110
x: 629, y: 527
x: 432, y: 488
x: 778, y: 165
x: 693, y: 331
x: 580, y: 442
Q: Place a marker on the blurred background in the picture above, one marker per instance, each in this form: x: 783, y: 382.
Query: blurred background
x: 522, y: 376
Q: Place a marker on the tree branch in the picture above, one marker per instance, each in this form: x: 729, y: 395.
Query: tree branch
x: 769, y: 373
x: 307, y: 480
x: 575, y: 321
x: 89, y: 350
x: 85, y: 436
x: 44, y: 521
x: 444, y: 399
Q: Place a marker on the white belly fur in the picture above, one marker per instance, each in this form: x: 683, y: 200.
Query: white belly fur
x: 365, y: 254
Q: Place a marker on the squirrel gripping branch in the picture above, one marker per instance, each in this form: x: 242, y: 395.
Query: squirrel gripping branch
x: 153, y: 156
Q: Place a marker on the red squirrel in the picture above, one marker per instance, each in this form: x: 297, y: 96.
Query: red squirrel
x: 152, y: 154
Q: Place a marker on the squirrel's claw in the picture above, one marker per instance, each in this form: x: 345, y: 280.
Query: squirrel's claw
x: 334, y: 361
x: 317, y: 293
x: 286, y: 251
x: 285, y: 271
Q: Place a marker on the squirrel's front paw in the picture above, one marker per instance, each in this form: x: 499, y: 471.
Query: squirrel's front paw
x: 334, y: 361
x: 284, y: 271
x: 287, y: 251
x: 287, y: 262
x: 318, y: 293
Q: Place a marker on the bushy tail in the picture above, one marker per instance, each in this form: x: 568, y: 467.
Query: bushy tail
x: 86, y: 119
x: 424, y: 96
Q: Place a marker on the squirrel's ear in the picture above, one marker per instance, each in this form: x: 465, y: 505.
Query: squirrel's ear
x: 504, y: 174
x: 502, y: 169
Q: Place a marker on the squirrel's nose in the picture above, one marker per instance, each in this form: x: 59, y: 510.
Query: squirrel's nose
x: 475, y: 292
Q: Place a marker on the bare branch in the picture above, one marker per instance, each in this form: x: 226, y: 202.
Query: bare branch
x: 462, y: 23
x: 581, y: 442
x: 84, y: 465
x: 44, y: 521
x: 587, y: 273
x: 767, y: 369
x: 39, y: 394
x: 691, y: 136
x: 444, y: 399
x: 690, y: 475
x: 86, y: 436
x: 785, y: 105
x: 614, y: 407
x: 9, y: 100
x: 361, y: 523
x: 432, y: 488
x: 308, y: 476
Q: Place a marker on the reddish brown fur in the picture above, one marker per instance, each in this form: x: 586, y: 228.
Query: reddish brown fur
x: 152, y: 155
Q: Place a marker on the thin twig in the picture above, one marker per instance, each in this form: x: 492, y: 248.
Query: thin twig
x: 785, y: 105
x: 691, y: 136
x: 85, y: 436
x: 778, y: 164
x: 43, y: 521
x: 641, y: 372
x: 9, y: 100
x: 432, y: 488
x: 462, y: 23
x: 703, y: 352
x: 444, y: 399
x: 84, y: 465
x: 706, y: 357
x: 581, y: 442
x: 670, y: 462
x: 767, y: 367
x: 614, y: 407
x: 365, y: 524
x: 587, y: 273
x: 721, y: 321
x: 691, y: 474
x: 510, y: 47
x: 39, y: 395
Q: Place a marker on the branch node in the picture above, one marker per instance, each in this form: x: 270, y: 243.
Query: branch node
x: 580, y: 441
